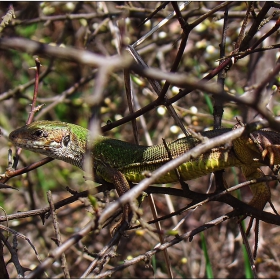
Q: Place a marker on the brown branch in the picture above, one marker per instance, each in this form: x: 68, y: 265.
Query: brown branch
x: 12, y: 173
x: 67, y: 53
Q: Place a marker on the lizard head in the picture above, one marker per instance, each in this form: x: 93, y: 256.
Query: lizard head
x: 55, y: 139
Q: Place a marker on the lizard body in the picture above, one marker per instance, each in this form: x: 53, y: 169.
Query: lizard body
x: 118, y: 162
x: 68, y: 142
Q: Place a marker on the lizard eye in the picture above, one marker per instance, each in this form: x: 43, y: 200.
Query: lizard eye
x: 40, y: 133
x: 66, y: 140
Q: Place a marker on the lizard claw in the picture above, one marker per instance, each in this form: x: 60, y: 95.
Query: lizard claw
x: 272, y: 152
x: 124, y: 221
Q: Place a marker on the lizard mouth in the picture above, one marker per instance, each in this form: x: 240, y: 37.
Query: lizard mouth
x: 31, y: 144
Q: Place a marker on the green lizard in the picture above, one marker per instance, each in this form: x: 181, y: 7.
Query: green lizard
x: 120, y: 162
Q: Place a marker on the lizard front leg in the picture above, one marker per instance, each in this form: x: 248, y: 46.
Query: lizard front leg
x: 121, y: 184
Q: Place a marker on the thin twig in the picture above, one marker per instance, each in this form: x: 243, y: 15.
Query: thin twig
x: 58, y: 235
